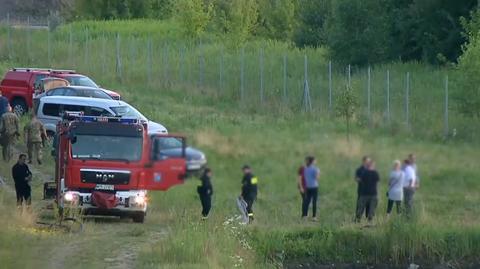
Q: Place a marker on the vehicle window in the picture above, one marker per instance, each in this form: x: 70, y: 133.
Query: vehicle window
x: 73, y: 108
x: 70, y: 92
x: 51, y: 110
x: 81, y: 81
x: 101, y: 147
x: 38, y: 81
x: 162, y: 147
x: 94, y: 94
x: 98, y: 111
x: 56, y: 92
x: 127, y: 112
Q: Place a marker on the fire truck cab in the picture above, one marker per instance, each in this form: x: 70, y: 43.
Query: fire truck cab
x: 106, y: 165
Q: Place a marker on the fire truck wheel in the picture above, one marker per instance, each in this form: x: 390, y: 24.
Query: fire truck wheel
x: 138, y: 217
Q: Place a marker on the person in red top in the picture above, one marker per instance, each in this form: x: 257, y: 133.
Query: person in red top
x: 301, y: 180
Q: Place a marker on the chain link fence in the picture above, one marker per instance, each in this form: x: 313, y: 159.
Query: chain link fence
x: 258, y: 75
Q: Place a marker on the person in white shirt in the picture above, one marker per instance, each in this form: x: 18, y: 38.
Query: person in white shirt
x: 395, y: 187
x: 409, y: 185
x: 413, y: 161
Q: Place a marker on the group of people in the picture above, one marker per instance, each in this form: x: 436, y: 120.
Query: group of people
x: 35, y: 137
x: 403, y: 182
x: 402, y: 185
x: 248, y: 191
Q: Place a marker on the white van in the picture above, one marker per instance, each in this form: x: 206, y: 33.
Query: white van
x: 50, y: 110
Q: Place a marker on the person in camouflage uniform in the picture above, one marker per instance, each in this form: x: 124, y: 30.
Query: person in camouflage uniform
x: 9, y: 133
x: 35, y: 136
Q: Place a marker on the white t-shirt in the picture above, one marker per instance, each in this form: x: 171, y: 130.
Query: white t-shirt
x: 410, y: 176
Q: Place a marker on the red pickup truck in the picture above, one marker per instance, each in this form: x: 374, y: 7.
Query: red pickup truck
x: 19, y: 85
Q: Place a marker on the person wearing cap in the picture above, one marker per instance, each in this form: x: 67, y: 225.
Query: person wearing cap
x: 249, y: 189
x: 205, y: 192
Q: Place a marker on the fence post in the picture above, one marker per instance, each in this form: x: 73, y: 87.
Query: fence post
x: 446, y: 131
x: 86, y: 54
x: 118, y: 62
x: 330, y: 87
x: 369, y: 111
x: 349, y: 76
x: 388, y: 96
x: 261, y: 76
x: 220, y: 83
x: 28, y: 54
x: 165, y: 63
x: 49, y: 50
x: 285, y: 97
x: 307, y: 102
x: 104, y: 52
x: 407, y: 93
x: 242, y: 75
x: 149, y: 61
x: 9, y: 38
x: 70, y: 45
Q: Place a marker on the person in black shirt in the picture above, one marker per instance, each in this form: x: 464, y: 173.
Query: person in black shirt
x: 358, y: 174
x: 22, y: 176
x: 368, y: 193
x: 205, y: 192
x: 249, y: 189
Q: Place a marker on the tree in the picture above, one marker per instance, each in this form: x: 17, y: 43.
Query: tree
x: 359, y: 31
x: 276, y: 19
x: 311, y: 16
x: 346, y: 106
x: 193, y: 16
x: 467, y: 83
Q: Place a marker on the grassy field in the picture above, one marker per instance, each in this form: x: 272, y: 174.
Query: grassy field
x: 273, y: 139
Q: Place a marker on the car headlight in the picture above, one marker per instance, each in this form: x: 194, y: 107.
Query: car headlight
x: 70, y: 196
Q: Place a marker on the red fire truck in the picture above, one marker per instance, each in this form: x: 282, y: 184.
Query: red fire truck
x: 106, y: 165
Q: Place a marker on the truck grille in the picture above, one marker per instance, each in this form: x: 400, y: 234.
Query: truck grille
x: 113, y: 177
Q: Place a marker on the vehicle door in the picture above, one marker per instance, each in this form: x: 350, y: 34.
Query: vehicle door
x: 168, y: 163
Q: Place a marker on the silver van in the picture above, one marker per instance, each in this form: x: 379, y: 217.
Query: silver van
x: 50, y: 110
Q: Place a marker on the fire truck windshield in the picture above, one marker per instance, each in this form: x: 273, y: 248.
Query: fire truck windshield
x: 107, y: 147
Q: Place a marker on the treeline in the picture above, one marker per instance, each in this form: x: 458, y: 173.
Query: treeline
x: 356, y: 31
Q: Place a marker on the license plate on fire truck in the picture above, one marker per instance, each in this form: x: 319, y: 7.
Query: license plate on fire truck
x: 104, y: 187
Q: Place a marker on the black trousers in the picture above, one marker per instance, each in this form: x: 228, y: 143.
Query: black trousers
x: 311, y: 195
x: 364, y: 202
x: 24, y: 193
x: 398, y: 204
x: 206, y: 200
x: 366, y: 209
x: 250, y: 199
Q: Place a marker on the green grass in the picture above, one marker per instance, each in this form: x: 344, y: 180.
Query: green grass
x: 274, y: 138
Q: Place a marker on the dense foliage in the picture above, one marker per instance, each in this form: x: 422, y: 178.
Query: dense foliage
x: 356, y: 31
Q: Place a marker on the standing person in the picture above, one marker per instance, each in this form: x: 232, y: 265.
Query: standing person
x: 249, y: 189
x: 205, y: 192
x: 368, y: 193
x: 395, y: 187
x: 9, y: 132
x: 301, y: 180
x: 35, y: 136
x: 413, y: 161
x: 22, y: 176
x: 409, y: 184
x: 3, y: 104
x: 312, y: 175
x: 358, y: 174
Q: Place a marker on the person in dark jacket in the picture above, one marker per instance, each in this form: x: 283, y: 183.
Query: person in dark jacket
x: 358, y: 174
x: 205, y: 192
x: 22, y: 176
x: 249, y: 189
x: 368, y: 192
x: 3, y: 104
